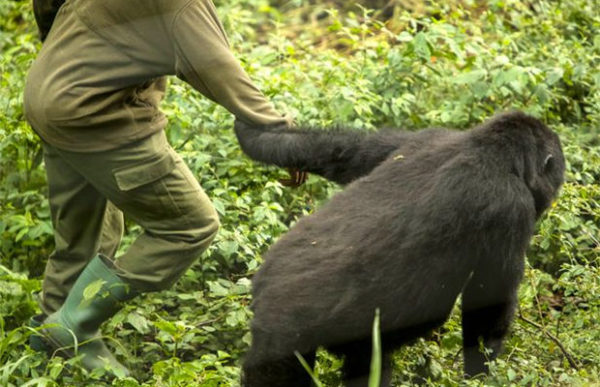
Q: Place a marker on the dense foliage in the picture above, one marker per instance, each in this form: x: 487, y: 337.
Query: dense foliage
x: 452, y: 64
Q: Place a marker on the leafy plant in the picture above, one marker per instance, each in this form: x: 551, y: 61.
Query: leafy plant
x: 447, y: 64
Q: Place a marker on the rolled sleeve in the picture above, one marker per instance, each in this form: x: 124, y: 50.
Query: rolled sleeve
x: 205, y: 61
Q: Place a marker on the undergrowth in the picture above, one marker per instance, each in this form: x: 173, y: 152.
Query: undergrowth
x: 451, y: 64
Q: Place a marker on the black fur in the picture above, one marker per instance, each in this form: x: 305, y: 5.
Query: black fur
x: 431, y: 215
x: 340, y: 156
x: 45, y: 12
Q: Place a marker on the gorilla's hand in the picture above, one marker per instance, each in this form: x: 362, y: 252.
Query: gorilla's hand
x: 297, y: 178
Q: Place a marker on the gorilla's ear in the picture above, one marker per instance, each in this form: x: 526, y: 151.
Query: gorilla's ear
x: 549, y: 162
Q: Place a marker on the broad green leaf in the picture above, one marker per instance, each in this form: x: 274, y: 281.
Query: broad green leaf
x: 92, y: 289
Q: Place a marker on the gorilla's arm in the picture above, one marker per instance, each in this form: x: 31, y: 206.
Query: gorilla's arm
x: 337, y: 155
x: 486, y: 316
x: 45, y: 12
x: 490, y: 298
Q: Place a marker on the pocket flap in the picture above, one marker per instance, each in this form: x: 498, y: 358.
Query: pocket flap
x: 137, y: 175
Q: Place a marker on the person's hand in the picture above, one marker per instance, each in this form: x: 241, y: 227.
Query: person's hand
x: 297, y: 178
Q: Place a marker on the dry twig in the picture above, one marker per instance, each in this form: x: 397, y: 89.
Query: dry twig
x: 570, y: 358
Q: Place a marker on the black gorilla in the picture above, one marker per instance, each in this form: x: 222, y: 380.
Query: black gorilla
x: 429, y: 215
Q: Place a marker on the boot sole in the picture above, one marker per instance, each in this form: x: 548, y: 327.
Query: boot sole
x: 57, y: 349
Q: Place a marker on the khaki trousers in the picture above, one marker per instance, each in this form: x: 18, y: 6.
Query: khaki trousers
x: 148, y: 181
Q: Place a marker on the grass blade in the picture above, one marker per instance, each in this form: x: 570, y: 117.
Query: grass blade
x: 375, y: 375
x: 308, y: 369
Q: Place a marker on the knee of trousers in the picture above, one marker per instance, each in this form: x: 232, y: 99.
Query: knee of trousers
x: 183, y: 248
x: 199, y: 234
x: 207, y: 233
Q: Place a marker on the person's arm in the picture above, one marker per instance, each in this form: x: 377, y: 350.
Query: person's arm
x: 205, y: 61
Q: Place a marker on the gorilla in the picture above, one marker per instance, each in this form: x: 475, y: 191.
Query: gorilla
x: 425, y: 216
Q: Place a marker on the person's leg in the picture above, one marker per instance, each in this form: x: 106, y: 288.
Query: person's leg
x: 84, y: 224
x: 112, y: 231
x: 152, y: 185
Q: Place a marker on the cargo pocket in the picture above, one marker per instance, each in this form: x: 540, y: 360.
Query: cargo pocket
x: 132, y: 177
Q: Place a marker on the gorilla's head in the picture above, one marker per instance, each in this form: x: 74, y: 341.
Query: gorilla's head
x: 532, y: 152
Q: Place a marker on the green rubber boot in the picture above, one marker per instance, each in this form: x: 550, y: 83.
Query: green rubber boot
x: 95, y: 297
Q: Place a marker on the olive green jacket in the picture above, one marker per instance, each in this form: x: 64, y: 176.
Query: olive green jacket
x: 99, y: 77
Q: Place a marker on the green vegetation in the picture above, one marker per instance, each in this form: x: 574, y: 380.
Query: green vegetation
x: 428, y: 65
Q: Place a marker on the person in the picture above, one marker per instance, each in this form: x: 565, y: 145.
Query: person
x: 93, y: 96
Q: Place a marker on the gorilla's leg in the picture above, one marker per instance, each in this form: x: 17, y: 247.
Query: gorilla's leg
x: 270, y: 361
x: 357, y: 364
x: 285, y: 372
